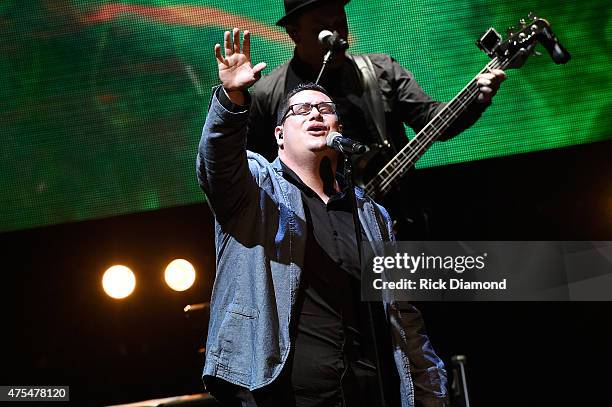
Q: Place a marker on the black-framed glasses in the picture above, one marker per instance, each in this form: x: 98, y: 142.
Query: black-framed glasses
x: 303, y: 109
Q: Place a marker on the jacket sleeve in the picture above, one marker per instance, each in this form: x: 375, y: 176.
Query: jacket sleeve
x: 426, y: 368
x: 262, y: 121
x: 417, y: 108
x: 221, y: 164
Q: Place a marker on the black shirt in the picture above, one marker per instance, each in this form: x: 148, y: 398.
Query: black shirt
x: 332, y: 351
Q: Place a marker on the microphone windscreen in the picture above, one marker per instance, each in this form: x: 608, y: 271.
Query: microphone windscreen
x: 329, y: 140
x: 323, y: 35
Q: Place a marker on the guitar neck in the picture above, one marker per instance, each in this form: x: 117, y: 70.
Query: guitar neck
x: 387, y: 177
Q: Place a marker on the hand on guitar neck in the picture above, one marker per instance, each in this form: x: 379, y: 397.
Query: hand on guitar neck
x: 488, y: 84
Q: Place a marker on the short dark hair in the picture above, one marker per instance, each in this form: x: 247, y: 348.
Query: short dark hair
x: 299, y: 88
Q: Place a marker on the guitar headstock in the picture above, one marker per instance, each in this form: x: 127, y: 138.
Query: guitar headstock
x: 514, y: 50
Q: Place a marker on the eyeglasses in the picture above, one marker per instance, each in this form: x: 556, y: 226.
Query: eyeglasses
x: 303, y: 109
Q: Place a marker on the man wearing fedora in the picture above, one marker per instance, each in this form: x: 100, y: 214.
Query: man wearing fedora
x: 357, y: 83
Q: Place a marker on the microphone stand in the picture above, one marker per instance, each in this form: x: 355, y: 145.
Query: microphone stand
x: 326, y: 59
x: 459, y: 385
x: 348, y: 176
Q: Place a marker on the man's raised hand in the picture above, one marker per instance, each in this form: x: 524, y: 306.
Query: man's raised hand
x: 235, y: 69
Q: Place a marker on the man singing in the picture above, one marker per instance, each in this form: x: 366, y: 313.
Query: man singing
x: 287, y: 326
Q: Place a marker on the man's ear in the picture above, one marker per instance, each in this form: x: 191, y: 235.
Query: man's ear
x: 278, y: 134
x: 293, y: 33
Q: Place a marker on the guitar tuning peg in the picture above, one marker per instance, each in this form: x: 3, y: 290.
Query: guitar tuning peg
x: 536, y: 53
x: 532, y: 16
x: 510, y: 31
x: 522, y: 22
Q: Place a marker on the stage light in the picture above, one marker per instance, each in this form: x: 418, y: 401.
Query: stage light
x: 179, y: 275
x: 118, y: 282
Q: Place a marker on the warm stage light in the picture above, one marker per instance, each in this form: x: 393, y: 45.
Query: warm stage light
x: 118, y: 282
x: 179, y: 275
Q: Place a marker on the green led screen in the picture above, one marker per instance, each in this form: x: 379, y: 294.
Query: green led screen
x: 102, y: 102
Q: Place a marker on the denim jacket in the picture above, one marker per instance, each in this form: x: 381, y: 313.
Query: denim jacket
x: 260, y: 236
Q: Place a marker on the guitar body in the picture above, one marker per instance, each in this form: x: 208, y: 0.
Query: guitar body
x: 409, y: 218
x: 366, y: 166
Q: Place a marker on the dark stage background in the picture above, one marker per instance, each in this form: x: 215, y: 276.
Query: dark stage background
x: 60, y: 328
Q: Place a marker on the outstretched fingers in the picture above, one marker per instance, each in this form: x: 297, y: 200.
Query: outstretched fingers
x: 235, y: 69
x: 246, y: 44
x: 218, y: 55
x: 227, y: 45
x: 236, y: 35
x: 258, y: 68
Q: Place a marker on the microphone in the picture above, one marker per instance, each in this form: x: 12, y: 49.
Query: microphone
x: 333, y: 41
x: 344, y: 145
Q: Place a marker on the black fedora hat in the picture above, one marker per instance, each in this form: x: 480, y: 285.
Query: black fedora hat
x: 295, y: 7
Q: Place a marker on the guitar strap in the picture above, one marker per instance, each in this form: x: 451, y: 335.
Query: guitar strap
x: 373, y: 94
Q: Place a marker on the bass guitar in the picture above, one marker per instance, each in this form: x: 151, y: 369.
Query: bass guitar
x: 508, y: 54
